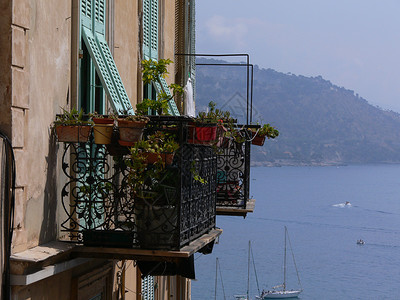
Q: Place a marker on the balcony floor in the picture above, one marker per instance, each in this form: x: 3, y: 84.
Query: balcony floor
x: 43, y: 261
x: 141, y: 254
x: 237, y: 211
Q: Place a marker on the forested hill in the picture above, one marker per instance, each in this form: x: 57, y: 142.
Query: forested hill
x: 319, y: 123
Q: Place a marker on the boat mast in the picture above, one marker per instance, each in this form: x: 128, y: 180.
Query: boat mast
x: 248, y: 272
x: 294, y: 261
x: 284, y: 264
x: 216, y: 278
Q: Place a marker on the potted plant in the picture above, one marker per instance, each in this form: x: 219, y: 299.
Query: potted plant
x: 261, y: 133
x: 157, y: 149
x: 204, y: 128
x: 102, y: 128
x: 152, y: 71
x: 131, y: 129
x: 71, y: 127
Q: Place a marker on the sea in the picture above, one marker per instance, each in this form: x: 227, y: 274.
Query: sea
x: 323, y: 231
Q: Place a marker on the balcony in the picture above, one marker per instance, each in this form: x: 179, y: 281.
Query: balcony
x: 170, y: 211
x: 173, y: 208
x: 233, y: 176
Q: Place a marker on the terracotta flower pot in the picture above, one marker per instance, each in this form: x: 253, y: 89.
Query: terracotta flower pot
x: 103, y: 121
x: 257, y: 140
x: 152, y: 158
x: 130, y: 131
x: 73, y: 133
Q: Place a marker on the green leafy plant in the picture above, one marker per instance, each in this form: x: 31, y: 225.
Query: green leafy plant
x: 195, y: 173
x: 72, y: 117
x: 268, y: 131
x: 158, y: 142
x: 139, y: 170
x: 136, y: 118
x: 153, y: 71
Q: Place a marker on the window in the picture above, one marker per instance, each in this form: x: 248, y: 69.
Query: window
x: 98, y: 70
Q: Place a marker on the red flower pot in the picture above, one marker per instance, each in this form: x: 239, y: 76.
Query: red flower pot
x: 202, y: 133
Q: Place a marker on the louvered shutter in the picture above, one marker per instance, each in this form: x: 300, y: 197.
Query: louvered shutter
x: 148, y: 288
x: 86, y: 13
x: 150, y: 46
x: 93, y: 34
x: 108, y: 72
x: 99, y: 17
x: 172, y: 109
x: 150, y: 29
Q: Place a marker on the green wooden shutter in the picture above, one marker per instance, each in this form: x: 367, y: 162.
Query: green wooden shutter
x: 172, y: 109
x: 99, y: 17
x: 93, y: 28
x: 150, y: 29
x: 107, y: 71
x: 86, y: 13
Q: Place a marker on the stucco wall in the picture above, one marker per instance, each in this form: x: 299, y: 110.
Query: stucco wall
x: 126, y: 45
x: 40, y: 86
x: 5, y: 67
x: 167, y: 41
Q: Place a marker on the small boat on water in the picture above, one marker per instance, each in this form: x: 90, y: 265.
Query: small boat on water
x: 360, y: 242
x: 284, y: 294
x: 280, y: 291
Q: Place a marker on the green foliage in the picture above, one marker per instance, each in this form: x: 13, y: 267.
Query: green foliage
x: 137, y: 118
x: 195, y: 173
x: 139, y: 171
x: 152, y: 71
x: 73, y: 117
x: 158, y: 143
x: 269, y: 131
x: 214, y: 115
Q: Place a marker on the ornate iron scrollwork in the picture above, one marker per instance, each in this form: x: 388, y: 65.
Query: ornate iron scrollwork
x: 233, y: 168
x: 167, y: 212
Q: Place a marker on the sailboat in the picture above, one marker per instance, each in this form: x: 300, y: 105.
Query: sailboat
x: 247, y: 297
x: 280, y: 291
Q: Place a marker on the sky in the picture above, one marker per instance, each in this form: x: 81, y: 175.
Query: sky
x: 352, y: 43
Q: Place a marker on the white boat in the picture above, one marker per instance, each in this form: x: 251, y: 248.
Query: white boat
x: 280, y: 291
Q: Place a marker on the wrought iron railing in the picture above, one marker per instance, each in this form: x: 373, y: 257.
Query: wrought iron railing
x: 233, y: 173
x: 168, y: 212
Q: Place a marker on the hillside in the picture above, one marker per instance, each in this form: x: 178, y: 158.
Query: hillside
x: 320, y: 123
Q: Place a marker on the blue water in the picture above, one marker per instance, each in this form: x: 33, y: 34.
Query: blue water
x: 323, y: 233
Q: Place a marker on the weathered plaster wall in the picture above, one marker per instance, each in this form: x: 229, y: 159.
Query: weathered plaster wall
x: 167, y: 42
x: 126, y: 45
x: 56, y: 287
x: 40, y: 86
x: 5, y: 67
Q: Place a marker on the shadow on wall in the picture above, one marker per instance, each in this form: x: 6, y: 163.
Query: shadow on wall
x: 48, y: 231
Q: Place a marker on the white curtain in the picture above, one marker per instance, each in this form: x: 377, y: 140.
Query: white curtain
x: 189, y: 103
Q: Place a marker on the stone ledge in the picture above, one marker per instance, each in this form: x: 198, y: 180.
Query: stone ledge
x: 36, y: 258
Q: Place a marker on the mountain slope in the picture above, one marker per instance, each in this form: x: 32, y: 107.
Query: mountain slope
x: 320, y: 123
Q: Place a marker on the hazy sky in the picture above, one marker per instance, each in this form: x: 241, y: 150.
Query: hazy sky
x: 352, y: 43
